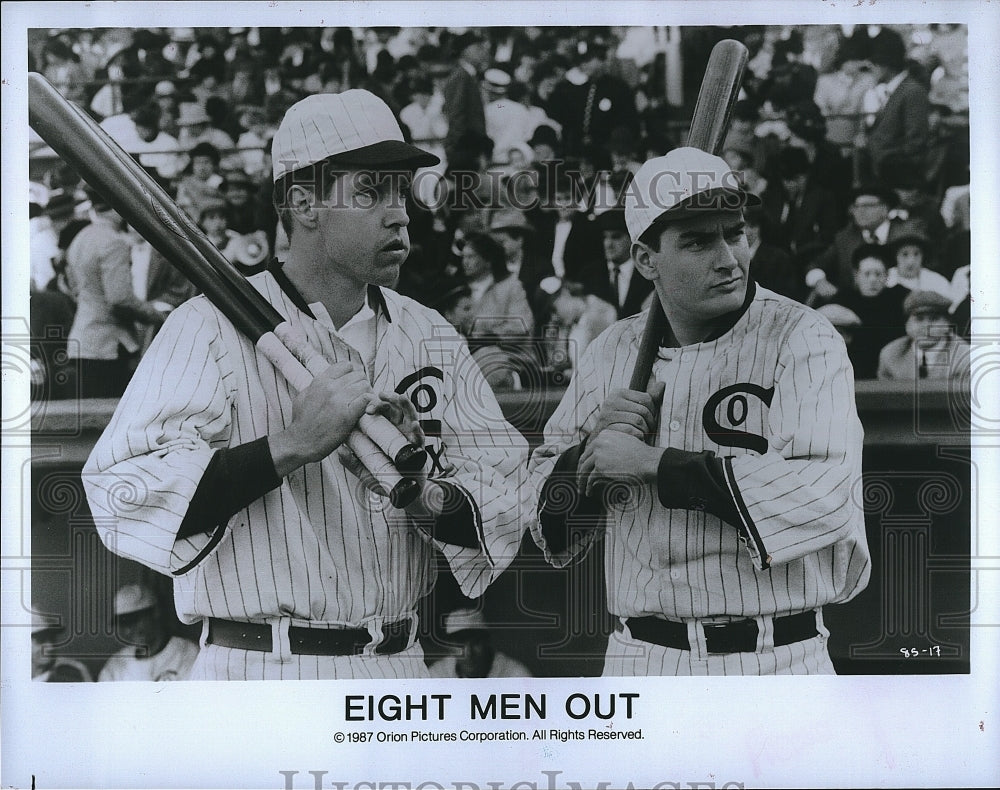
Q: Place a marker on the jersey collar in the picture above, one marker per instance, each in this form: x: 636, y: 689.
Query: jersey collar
x: 375, y: 296
x: 724, y: 323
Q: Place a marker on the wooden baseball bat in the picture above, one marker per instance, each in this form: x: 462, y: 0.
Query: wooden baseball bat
x: 143, y: 204
x: 719, y: 88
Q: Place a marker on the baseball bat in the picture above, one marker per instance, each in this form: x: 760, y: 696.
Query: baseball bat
x: 145, y: 205
x: 719, y: 88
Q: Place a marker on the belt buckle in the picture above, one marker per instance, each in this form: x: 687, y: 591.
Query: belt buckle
x: 739, y: 636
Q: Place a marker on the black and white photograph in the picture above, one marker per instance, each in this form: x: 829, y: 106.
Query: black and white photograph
x: 502, y: 394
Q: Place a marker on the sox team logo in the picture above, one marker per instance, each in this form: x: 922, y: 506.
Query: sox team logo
x: 736, y: 410
x: 422, y: 387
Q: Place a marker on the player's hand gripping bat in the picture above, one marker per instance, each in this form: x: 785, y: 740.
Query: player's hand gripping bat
x: 145, y: 206
x: 719, y: 89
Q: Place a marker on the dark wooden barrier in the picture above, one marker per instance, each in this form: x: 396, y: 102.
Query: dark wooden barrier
x: 916, y: 494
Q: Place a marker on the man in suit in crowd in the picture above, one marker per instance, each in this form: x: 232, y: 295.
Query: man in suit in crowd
x: 900, y: 124
x: 870, y: 223
x: 802, y: 213
x: 463, y: 99
x: 617, y: 280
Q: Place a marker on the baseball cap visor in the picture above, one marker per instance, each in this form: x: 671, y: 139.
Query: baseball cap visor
x: 385, y: 153
x: 715, y: 199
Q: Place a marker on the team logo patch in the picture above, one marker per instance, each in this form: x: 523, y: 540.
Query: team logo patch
x: 423, y: 387
x: 735, y: 412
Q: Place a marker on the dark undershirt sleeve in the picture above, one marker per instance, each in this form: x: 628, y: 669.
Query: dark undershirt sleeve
x: 695, y: 481
x: 234, y: 477
x: 459, y: 522
x: 563, y: 510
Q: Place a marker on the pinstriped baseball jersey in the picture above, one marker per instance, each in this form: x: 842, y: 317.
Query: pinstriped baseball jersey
x: 773, y: 397
x: 318, y: 549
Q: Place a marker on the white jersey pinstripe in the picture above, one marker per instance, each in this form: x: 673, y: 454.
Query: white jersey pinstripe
x: 790, y: 386
x: 318, y: 549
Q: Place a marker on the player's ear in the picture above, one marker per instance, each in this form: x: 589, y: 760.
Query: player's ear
x: 643, y: 260
x: 301, y: 203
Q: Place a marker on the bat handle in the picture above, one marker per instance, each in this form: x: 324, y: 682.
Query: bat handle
x: 400, y: 489
x: 408, y: 458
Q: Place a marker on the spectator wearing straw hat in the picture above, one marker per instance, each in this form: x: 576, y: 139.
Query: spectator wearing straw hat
x: 511, y: 228
x: 476, y: 657
x: 196, y: 126
x: 930, y: 349
x: 151, y: 653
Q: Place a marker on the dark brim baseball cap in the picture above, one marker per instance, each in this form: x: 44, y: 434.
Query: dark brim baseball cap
x: 387, y: 155
x: 716, y: 199
x: 354, y: 128
x: 686, y: 182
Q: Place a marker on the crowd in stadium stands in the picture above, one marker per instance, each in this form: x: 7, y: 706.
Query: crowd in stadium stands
x: 856, y: 139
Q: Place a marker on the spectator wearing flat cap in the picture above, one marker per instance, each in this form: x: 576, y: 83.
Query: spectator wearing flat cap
x: 47, y: 667
x: 475, y: 656
x: 898, y: 107
x: 151, y: 653
x: 61, y: 66
x: 463, y: 100
x: 930, y: 349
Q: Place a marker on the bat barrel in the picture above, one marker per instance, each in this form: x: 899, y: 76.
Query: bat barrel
x: 719, y: 90
x: 131, y: 191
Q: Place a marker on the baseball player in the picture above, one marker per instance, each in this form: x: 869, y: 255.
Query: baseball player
x: 728, y: 532
x: 213, y: 471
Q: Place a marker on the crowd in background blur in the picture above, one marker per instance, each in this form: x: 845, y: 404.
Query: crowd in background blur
x: 856, y: 139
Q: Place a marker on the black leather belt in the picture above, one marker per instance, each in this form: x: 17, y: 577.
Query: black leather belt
x: 308, y: 641
x: 739, y: 636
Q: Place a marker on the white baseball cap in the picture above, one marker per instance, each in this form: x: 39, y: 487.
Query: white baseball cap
x: 356, y: 127
x: 681, y: 184
x: 132, y: 598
